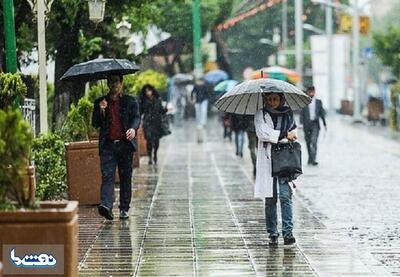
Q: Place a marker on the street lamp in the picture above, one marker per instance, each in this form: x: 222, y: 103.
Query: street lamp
x: 124, y: 28
x: 96, y: 10
x: 40, y: 8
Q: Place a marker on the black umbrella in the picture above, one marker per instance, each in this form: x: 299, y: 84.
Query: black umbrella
x: 99, y: 69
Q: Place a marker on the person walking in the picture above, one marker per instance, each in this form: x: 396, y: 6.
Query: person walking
x: 117, y: 116
x: 152, y: 111
x: 310, y: 119
x: 273, y: 124
x: 200, y: 97
x: 239, y: 125
x: 253, y: 141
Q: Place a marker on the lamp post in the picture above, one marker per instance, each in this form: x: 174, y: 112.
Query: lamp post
x: 40, y: 8
x: 124, y: 28
x: 196, y: 22
x: 9, y: 35
x: 299, y: 39
x: 96, y: 10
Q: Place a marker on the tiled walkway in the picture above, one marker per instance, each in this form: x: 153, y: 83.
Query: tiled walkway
x: 194, y: 215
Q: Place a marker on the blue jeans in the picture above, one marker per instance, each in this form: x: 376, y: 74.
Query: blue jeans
x: 285, y: 197
x: 239, y: 140
x: 114, y: 154
x: 201, y: 113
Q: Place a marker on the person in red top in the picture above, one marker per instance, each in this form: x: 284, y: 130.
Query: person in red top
x: 117, y: 116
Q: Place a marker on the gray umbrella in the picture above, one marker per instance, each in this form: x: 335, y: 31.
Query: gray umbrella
x: 182, y: 79
x: 246, y: 97
x: 99, y: 69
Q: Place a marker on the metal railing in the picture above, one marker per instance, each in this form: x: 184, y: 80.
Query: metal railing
x: 28, y: 111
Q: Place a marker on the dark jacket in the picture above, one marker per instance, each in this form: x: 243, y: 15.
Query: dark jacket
x: 130, y: 118
x: 319, y: 114
x: 152, y: 112
x: 239, y: 122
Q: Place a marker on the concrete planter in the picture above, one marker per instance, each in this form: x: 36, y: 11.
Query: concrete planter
x: 83, y: 172
x: 55, y: 223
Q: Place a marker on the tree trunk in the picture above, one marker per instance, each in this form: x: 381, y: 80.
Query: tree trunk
x: 66, y: 93
x: 222, y: 54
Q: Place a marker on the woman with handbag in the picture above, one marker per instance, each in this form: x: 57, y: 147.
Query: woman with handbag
x: 152, y: 113
x: 274, y: 123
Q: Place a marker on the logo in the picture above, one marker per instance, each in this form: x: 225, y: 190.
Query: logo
x: 33, y: 261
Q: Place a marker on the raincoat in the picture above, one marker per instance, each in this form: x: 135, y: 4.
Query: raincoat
x: 266, y: 133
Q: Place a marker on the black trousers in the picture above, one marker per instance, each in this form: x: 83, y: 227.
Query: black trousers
x: 113, y: 154
x: 311, y: 136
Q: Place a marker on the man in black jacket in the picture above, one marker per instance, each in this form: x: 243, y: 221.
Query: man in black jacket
x: 117, y: 116
x: 310, y: 117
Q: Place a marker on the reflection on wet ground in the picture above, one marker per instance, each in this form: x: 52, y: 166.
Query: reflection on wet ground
x: 194, y: 215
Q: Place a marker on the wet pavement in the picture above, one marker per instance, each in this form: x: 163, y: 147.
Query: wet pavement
x: 194, y: 215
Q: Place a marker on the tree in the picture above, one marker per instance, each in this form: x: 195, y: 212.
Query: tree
x: 387, y: 47
x: 71, y: 38
x: 213, y: 12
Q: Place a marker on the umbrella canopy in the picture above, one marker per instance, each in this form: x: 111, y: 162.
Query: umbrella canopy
x: 277, y: 72
x: 215, y: 76
x: 246, y: 98
x: 225, y: 86
x: 182, y: 78
x: 99, y: 69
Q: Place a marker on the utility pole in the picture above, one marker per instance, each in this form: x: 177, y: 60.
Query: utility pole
x: 356, y: 63
x: 284, y: 24
x: 196, y: 22
x: 41, y: 25
x: 9, y: 35
x: 328, y: 30
x: 299, y: 39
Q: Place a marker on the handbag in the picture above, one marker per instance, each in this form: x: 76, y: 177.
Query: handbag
x: 165, y: 131
x: 286, y: 160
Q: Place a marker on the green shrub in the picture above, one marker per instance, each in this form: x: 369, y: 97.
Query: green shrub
x: 12, y: 89
x: 134, y: 83
x: 394, y: 98
x: 77, y: 125
x: 49, y: 155
x: 96, y: 91
x: 15, y: 147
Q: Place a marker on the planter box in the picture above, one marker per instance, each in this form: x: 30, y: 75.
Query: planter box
x: 346, y: 107
x: 55, y: 223
x: 83, y: 172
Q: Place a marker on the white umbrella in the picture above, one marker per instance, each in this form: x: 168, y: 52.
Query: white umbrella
x: 246, y: 97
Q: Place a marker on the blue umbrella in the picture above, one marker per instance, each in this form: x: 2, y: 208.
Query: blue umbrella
x: 215, y: 76
x: 225, y: 86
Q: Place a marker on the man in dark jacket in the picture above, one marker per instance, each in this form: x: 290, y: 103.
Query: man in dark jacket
x: 310, y: 117
x: 117, y: 116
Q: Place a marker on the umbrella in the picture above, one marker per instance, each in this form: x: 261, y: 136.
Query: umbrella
x: 246, y: 98
x: 181, y: 79
x: 99, y: 69
x: 215, y: 76
x: 225, y: 86
x: 277, y: 72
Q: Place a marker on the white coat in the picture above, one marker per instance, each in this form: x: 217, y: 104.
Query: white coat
x: 265, y: 133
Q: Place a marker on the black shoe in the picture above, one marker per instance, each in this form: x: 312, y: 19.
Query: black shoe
x: 273, y: 241
x: 289, y: 240
x: 314, y: 163
x: 150, y: 161
x: 254, y: 172
x: 155, y: 159
x: 123, y: 214
x: 105, y: 212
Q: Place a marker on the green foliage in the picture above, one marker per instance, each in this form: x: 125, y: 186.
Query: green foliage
x: 97, y: 90
x: 48, y: 152
x: 387, y: 47
x: 77, y: 125
x: 12, y: 88
x: 89, y: 46
x: 394, y: 98
x: 15, y: 145
x: 134, y: 83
